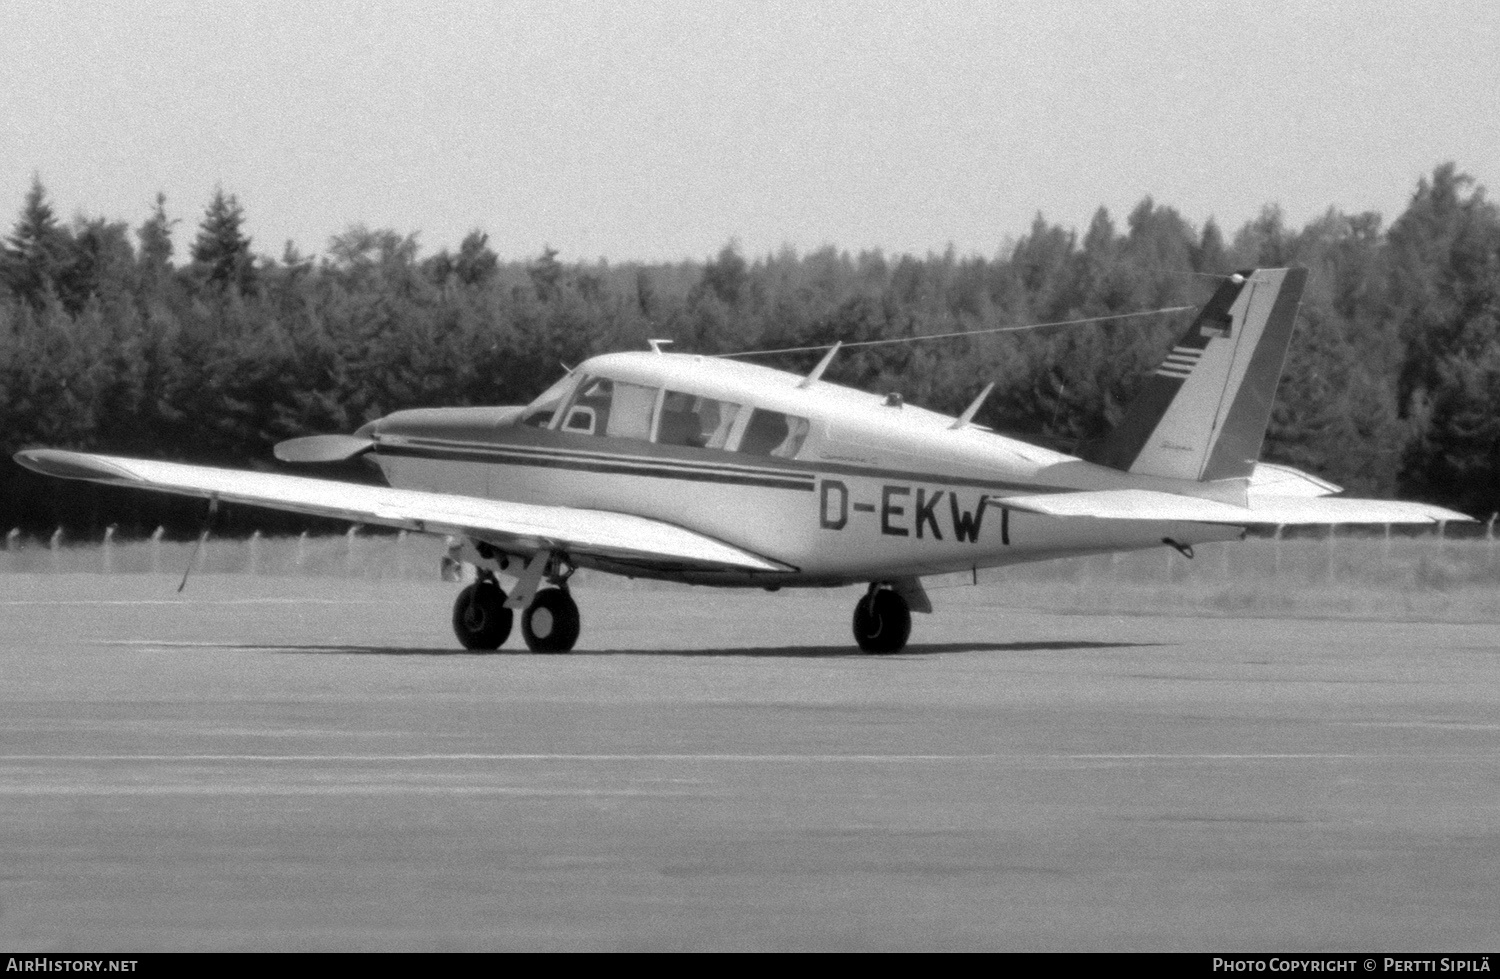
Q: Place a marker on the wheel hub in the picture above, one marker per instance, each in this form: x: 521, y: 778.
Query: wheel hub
x: 541, y: 623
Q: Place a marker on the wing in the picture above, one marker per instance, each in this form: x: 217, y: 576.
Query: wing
x: 1139, y: 504
x: 514, y: 527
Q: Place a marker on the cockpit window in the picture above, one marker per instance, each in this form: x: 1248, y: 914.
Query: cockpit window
x: 539, y: 413
x: 687, y: 419
x: 770, y: 433
x: 613, y: 408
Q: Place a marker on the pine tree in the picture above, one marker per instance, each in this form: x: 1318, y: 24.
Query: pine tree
x: 103, y: 264
x: 1092, y: 292
x: 1443, y: 299
x: 155, y: 235
x: 37, y: 251
x: 1445, y: 260
x: 475, y: 264
x: 546, y: 274
x: 1042, y: 261
x: 1264, y: 242
x: 726, y: 276
x: 645, y: 294
x: 1209, y: 255
x: 221, y: 249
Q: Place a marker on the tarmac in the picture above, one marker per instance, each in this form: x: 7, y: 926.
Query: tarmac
x: 310, y: 763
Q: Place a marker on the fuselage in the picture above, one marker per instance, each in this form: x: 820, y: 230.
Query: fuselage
x: 840, y: 484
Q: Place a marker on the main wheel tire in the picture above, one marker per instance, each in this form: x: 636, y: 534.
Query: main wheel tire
x: 882, y: 622
x: 551, y: 622
x: 480, y: 619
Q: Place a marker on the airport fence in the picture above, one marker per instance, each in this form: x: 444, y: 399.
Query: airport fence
x: 355, y: 554
x: 1450, y: 574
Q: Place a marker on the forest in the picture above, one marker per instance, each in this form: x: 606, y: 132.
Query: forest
x: 110, y: 341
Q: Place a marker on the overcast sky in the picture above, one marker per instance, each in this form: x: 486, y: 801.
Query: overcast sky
x: 662, y: 130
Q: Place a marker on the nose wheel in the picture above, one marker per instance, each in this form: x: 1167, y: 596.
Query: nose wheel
x: 551, y: 622
x: 882, y: 621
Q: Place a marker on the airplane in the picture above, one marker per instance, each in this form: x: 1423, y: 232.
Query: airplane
x: 713, y: 471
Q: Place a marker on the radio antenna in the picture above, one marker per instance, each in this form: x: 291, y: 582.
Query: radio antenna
x: 965, y: 333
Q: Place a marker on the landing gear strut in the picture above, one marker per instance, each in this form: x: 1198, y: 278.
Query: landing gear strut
x: 882, y: 621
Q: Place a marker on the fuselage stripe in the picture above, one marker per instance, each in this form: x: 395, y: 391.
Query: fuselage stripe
x: 497, y: 457
x: 804, y: 480
x: 614, y: 458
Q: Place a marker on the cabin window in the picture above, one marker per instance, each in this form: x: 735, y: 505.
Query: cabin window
x: 770, y: 433
x: 613, y: 408
x: 702, y: 423
x: 630, y: 411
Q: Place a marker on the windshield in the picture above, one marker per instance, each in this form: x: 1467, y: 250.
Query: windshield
x: 543, y: 406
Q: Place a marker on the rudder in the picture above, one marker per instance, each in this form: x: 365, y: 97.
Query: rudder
x: 1202, y: 414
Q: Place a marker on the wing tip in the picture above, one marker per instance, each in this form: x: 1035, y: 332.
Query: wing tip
x: 72, y: 465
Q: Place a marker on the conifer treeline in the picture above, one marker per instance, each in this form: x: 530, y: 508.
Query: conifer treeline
x: 1392, y: 386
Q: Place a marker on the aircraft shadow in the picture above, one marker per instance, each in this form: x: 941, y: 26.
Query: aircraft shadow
x: 323, y: 649
x: 916, y: 649
x: 771, y: 652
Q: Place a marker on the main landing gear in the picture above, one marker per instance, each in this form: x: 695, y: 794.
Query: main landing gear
x: 483, y: 614
x: 550, y: 623
x: 882, y: 621
x: 480, y: 619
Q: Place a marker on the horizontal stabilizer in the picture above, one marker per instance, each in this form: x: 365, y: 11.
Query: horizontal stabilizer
x: 1271, y: 479
x: 1141, y: 504
x: 519, y: 528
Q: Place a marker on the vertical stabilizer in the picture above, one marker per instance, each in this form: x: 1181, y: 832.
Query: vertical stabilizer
x: 1202, y: 414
